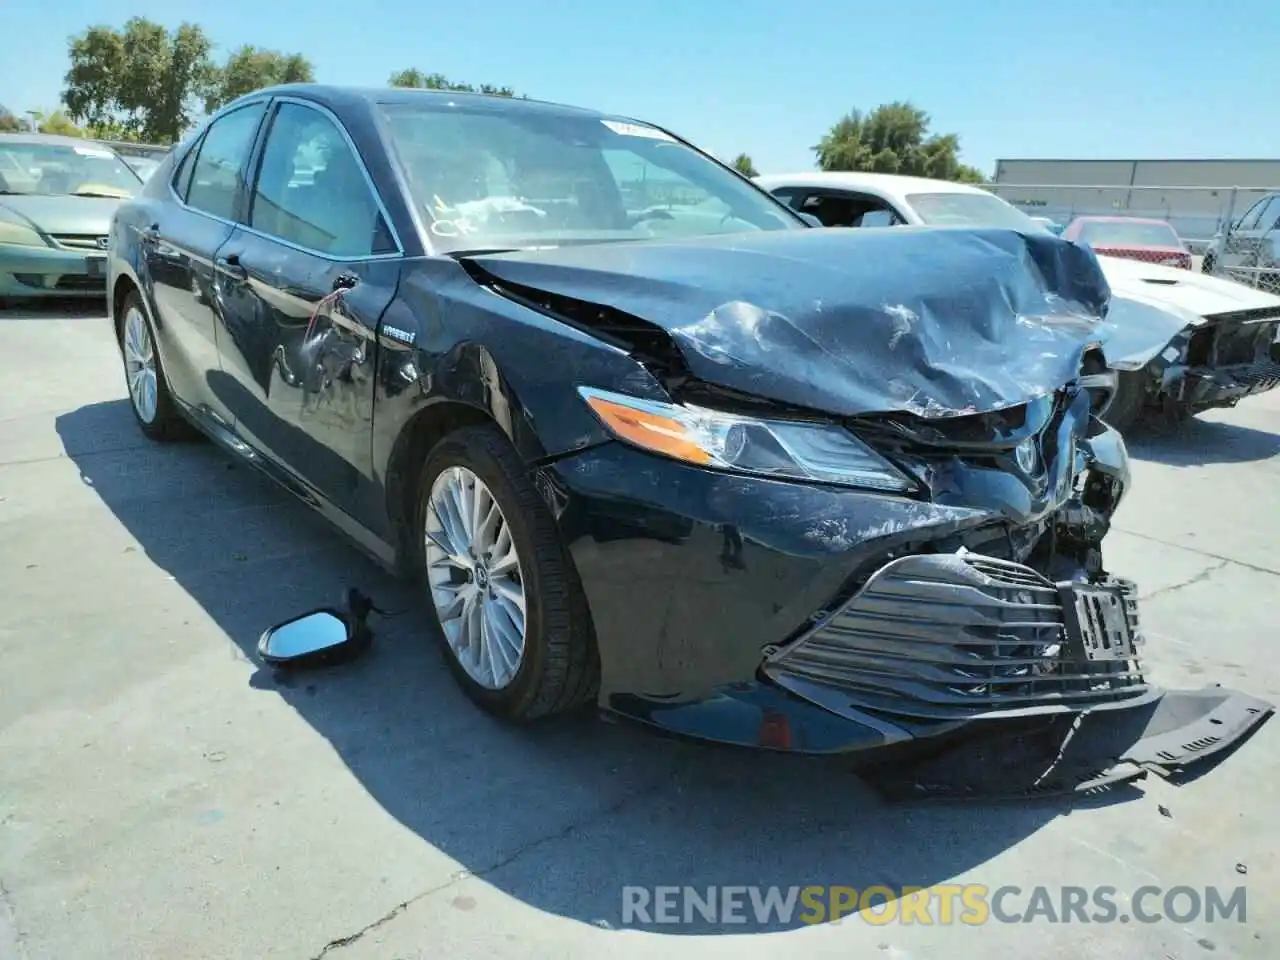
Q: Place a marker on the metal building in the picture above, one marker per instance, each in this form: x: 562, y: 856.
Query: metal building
x: 1196, y: 196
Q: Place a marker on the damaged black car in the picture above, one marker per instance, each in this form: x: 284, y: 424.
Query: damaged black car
x: 650, y: 442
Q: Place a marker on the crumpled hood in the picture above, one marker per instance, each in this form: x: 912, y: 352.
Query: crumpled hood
x: 61, y: 214
x: 1189, y: 294
x: 934, y: 322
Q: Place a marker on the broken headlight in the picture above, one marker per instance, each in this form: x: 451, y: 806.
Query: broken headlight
x: 785, y: 449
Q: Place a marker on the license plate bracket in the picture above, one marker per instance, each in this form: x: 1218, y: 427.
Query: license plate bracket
x: 1096, y: 617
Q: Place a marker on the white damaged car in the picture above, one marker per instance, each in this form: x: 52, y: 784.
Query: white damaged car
x: 1220, y: 337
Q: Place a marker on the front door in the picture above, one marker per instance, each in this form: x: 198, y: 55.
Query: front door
x: 302, y: 289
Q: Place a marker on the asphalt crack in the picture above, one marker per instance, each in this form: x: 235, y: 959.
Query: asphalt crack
x: 1200, y: 577
x: 12, y: 942
x: 75, y: 456
x: 1258, y: 568
x: 590, y: 820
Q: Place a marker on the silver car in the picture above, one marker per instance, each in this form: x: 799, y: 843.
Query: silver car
x: 57, y: 196
x: 1250, y: 250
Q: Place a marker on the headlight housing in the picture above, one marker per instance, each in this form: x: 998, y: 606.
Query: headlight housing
x: 782, y: 449
x: 19, y: 234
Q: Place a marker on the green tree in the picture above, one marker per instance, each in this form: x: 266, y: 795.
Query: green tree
x: 416, y: 79
x: 56, y: 122
x: 142, y: 78
x: 11, y: 124
x: 251, y: 68
x: 893, y: 138
x: 742, y: 163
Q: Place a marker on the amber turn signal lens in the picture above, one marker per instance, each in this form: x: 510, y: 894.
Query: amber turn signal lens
x: 649, y: 431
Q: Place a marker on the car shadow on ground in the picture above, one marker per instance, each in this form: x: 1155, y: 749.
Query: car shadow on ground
x: 1193, y: 442
x: 573, y: 810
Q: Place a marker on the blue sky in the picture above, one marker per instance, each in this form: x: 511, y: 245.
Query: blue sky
x: 1089, y: 78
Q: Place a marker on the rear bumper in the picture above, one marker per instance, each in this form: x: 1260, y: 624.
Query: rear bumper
x: 47, y: 272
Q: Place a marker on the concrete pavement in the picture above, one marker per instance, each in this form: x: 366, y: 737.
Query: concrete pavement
x: 161, y: 796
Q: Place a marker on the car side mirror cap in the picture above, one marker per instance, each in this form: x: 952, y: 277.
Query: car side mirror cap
x: 809, y: 218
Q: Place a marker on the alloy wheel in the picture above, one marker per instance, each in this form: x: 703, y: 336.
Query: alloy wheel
x: 140, y: 365
x: 474, y: 572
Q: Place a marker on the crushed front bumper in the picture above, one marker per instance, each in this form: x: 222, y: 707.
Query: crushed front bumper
x: 965, y: 636
x: 1206, y: 388
x: 1003, y: 683
x: 1227, y: 359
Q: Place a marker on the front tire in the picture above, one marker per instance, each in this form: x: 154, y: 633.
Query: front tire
x: 149, y: 396
x: 1129, y: 401
x: 502, y: 589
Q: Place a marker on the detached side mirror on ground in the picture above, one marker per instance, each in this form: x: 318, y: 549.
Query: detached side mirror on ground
x: 320, y: 638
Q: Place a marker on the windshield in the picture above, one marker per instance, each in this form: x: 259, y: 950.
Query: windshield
x: 971, y: 210
x: 56, y: 169
x: 1122, y: 233
x: 504, y: 177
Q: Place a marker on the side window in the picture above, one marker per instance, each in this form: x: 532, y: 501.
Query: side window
x: 789, y: 196
x: 182, y: 176
x: 1250, y: 220
x: 884, y: 217
x: 1269, y: 216
x: 849, y: 210
x: 217, y: 176
x: 312, y: 190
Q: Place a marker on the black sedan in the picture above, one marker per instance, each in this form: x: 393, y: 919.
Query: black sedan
x: 649, y: 439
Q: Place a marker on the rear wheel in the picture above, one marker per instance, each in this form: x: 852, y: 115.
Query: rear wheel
x: 503, y: 591
x: 149, y: 396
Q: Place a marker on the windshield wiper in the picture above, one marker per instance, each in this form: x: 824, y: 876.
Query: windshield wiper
x: 90, y: 193
x: 479, y: 252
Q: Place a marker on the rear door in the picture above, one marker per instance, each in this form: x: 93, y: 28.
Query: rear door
x: 308, y: 275
x: 179, y: 248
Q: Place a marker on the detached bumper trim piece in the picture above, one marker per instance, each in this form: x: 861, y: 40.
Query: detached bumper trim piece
x: 1174, y: 736
x: 964, y: 636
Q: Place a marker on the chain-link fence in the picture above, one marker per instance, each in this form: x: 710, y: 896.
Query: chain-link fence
x: 1234, y: 232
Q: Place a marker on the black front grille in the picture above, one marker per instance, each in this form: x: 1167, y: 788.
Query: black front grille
x: 954, y: 636
x: 1262, y: 375
x: 80, y: 282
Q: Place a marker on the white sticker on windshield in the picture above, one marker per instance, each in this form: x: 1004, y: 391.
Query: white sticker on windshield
x: 94, y: 152
x: 636, y: 130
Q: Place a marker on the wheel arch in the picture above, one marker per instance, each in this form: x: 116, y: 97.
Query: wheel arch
x: 124, y: 285
x: 415, y: 439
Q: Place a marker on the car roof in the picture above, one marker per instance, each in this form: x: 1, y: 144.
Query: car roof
x: 890, y: 184
x: 339, y: 98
